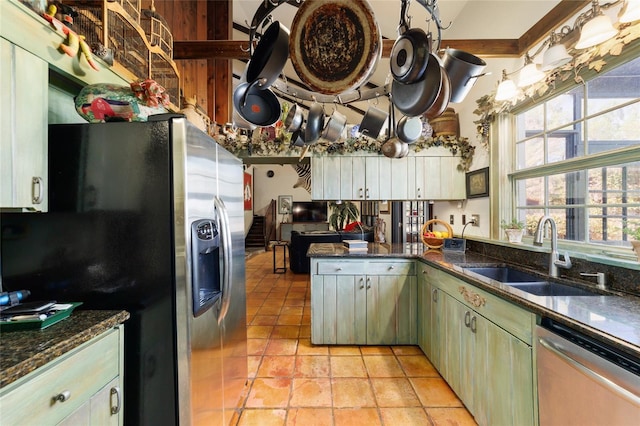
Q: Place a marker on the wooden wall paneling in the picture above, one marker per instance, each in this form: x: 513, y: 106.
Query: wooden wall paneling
x: 220, y: 27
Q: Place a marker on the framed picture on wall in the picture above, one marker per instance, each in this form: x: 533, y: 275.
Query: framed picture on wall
x: 285, y: 202
x: 478, y: 183
x: 248, y: 191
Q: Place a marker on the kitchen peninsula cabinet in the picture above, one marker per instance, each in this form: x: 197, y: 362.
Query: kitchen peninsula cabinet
x: 487, y: 357
x: 82, y: 386
x: 23, y: 126
x: 363, y: 302
x: 344, y: 177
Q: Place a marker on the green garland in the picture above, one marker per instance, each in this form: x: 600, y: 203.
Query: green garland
x: 242, y: 146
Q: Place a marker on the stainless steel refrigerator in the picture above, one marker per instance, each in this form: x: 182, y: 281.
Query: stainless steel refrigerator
x: 146, y: 217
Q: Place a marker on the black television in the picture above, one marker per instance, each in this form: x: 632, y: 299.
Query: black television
x: 309, y: 211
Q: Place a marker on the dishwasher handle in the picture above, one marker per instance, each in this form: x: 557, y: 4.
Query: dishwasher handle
x: 614, y: 387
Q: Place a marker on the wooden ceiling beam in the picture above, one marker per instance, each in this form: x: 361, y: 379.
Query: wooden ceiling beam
x: 233, y: 49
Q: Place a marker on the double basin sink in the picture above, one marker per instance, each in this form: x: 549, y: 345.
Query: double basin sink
x: 528, y: 283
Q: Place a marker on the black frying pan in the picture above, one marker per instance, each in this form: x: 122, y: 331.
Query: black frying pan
x: 270, y: 56
x: 415, y: 98
x: 259, y: 107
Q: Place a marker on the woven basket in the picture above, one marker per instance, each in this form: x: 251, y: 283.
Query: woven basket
x: 432, y: 242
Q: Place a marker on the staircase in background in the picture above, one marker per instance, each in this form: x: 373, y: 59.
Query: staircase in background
x: 255, y: 237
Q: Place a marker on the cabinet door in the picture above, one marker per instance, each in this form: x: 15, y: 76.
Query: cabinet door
x: 407, y: 310
x: 452, y: 180
x: 23, y: 125
x: 358, y: 174
x: 454, y: 342
x: 504, y: 364
x: 437, y: 328
x: 381, y: 310
x: 106, y: 405
x: 400, y: 178
x: 348, y: 190
x: 424, y: 313
x: 428, y: 178
x: 383, y: 177
x: 317, y: 178
x: 332, y: 178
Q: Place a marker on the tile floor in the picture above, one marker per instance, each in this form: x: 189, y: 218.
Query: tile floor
x: 292, y: 382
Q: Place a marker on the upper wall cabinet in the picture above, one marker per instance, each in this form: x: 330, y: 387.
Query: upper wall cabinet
x: 23, y: 126
x: 375, y: 177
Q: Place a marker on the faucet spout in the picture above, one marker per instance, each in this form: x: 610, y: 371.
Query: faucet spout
x: 554, y: 258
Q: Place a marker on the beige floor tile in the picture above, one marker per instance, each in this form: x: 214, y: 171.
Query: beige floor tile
x: 264, y: 320
x: 417, y: 366
x: 383, y: 366
x: 253, y: 362
x: 352, y: 392
x: 292, y: 310
x: 407, y: 350
x: 435, y: 392
x: 356, y: 417
x: 305, y: 329
x: 276, y: 366
x: 406, y: 416
x: 285, y: 332
x: 344, y: 350
x: 312, y: 366
x: 281, y: 347
x: 269, y: 393
x: 394, y: 392
x: 256, y: 346
x: 259, y: 331
x: 376, y: 350
x: 311, y: 392
x: 252, y: 417
x: 269, y: 310
x: 306, y: 348
x: 310, y: 417
x: 450, y: 417
x: 348, y: 366
x: 289, y: 319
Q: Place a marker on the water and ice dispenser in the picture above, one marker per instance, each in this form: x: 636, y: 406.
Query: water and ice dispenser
x: 206, y: 265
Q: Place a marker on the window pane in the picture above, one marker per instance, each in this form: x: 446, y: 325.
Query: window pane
x: 530, y: 153
x: 566, y: 188
x: 615, y: 184
x: 616, y: 129
x: 564, y: 109
x: 613, y: 88
x: 564, y: 144
x: 531, y: 218
x: 604, y: 227
x: 531, y: 122
x: 530, y: 192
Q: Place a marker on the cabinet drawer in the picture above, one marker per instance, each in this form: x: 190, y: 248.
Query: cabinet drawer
x: 341, y: 268
x: 82, y: 372
x: 390, y: 267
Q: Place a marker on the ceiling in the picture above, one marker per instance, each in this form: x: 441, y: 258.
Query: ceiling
x: 477, y: 24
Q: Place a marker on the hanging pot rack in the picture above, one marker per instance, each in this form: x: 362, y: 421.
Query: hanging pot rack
x: 262, y: 17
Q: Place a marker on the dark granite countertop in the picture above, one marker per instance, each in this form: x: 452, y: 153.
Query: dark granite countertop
x: 21, y: 352
x: 612, y: 317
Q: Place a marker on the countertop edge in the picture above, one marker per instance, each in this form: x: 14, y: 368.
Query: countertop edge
x: 10, y: 374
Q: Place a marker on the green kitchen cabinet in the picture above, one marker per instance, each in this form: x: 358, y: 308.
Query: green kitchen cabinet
x: 81, y: 387
x: 363, y: 302
x: 23, y: 126
x: 482, y: 348
x: 434, y: 178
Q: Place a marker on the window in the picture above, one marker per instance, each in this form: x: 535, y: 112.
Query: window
x: 577, y: 159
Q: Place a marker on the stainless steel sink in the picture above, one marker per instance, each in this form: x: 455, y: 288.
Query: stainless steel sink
x: 527, y: 282
x: 551, y: 289
x: 505, y: 274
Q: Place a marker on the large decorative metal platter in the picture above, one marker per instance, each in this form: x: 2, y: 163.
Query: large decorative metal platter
x: 335, y: 45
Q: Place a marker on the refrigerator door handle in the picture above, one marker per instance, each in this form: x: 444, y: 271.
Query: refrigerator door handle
x: 227, y: 257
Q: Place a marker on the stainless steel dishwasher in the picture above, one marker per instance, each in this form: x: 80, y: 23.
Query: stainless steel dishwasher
x: 582, y: 381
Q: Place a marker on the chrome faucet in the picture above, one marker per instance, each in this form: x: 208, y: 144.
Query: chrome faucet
x: 554, y: 259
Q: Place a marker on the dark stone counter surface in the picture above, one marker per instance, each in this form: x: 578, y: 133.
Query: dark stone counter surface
x: 21, y: 352
x: 613, y: 317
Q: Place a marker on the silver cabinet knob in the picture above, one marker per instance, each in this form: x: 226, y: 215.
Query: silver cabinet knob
x: 62, y: 396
